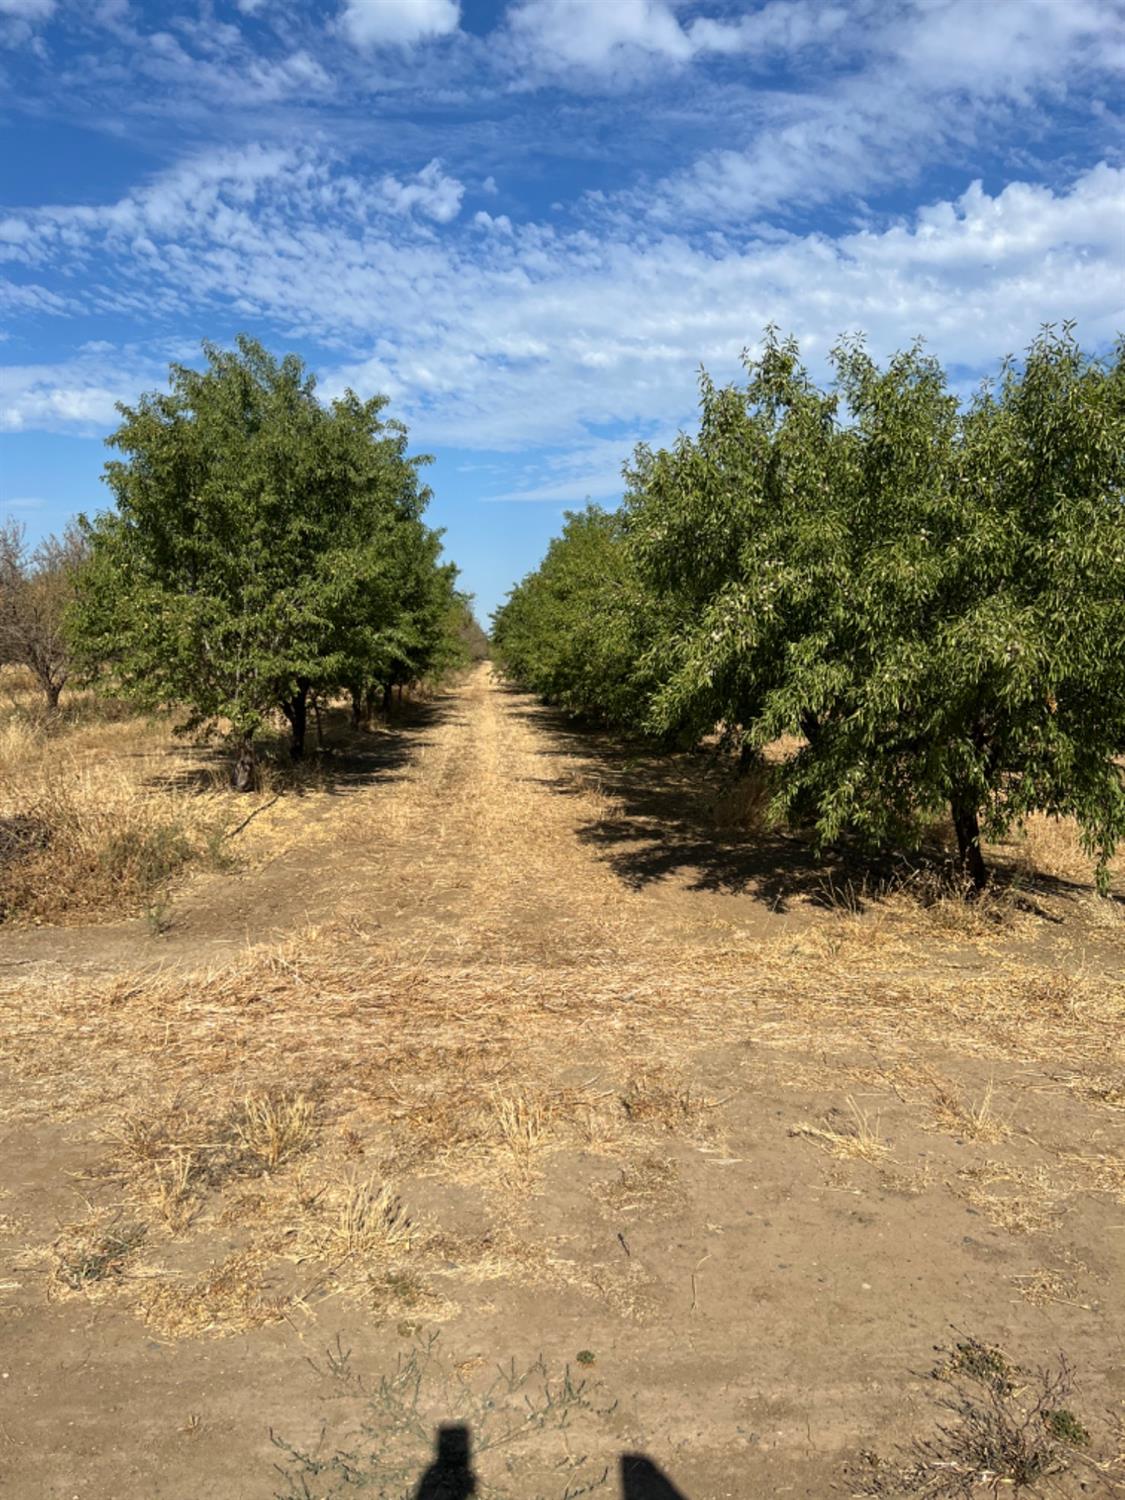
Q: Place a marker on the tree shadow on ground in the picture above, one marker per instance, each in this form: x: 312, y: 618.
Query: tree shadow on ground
x: 451, y: 1476
x: 348, y: 760
x: 666, y: 823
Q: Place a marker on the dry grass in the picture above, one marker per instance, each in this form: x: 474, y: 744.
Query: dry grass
x: 521, y: 1123
x: 169, y: 1161
x: 853, y: 1136
x: 650, y: 1185
x: 1053, y: 1284
x: 96, y: 817
x: 1108, y: 1090
x: 518, y: 1003
x: 971, y: 1120
x: 1029, y: 1202
x: 95, y: 1249
x: 1100, y: 1171
x: 230, y: 1297
x: 1050, y: 846
x: 102, y: 809
x: 273, y: 1130
x: 662, y: 1098
x: 744, y: 806
x: 355, y: 1220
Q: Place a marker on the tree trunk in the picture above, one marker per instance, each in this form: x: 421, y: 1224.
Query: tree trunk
x: 296, y: 710
x: 748, y: 758
x: 52, y: 691
x: 400, y: 692
x: 244, y: 772
x: 810, y: 726
x: 388, y: 690
x: 357, y: 707
x: 319, y: 725
x: 967, y: 824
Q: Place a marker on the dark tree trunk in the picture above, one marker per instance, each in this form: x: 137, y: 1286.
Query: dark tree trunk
x: 357, y: 707
x: 52, y: 691
x: 810, y: 726
x: 967, y: 825
x: 400, y: 692
x: 388, y: 690
x: 319, y: 724
x: 369, y: 699
x: 748, y: 758
x: 296, y: 710
x: 244, y: 772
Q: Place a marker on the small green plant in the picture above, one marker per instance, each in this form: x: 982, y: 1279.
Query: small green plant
x: 158, y: 918
x: 1065, y: 1426
x: 979, y: 1362
x: 1003, y: 1430
x: 585, y: 1356
x: 96, y: 1256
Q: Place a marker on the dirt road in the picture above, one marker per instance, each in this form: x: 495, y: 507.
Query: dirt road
x: 594, y: 1095
x: 477, y: 821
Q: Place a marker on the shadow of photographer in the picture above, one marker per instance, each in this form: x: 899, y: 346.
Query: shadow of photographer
x: 451, y: 1477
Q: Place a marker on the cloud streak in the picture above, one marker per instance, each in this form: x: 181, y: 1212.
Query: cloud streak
x: 536, y: 335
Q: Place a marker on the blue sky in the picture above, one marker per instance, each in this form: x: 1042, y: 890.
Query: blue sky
x: 530, y: 222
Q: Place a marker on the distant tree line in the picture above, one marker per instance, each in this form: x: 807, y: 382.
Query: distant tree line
x: 266, y: 551
x: 929, y: 597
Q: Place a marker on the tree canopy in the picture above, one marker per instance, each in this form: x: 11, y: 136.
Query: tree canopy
x: 577, y: 630
x: 930, y: 597
x: 264, y: 545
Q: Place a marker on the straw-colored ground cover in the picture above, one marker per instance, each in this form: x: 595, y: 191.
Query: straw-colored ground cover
x: 557, y: 1103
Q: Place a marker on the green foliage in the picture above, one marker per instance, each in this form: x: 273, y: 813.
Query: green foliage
x: 263, y: 546
x: 932, y: 599
x: 574, y: 631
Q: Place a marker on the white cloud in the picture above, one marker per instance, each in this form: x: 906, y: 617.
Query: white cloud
x: 22, y: 502
x: 28, y: 297
x: 223, y: 68
x: 77, y: 395
x: 28, y: 10
x: 936, y: 77
x: 506, y: 339
x: 596, y: 35
x: 372, y: 23
x: 429, y: 192
x: 494, y: 224
x: 626, y: 37
x: 19, y: 20
x: 296, y: 74
x: 999, y: 49
x: 591, y: 470
x: 780, y: 26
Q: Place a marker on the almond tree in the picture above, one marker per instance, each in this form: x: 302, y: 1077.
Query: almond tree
x: 254, y: 539
x: 934, y: 601
x: 36, y: 586
x: 576, y: 629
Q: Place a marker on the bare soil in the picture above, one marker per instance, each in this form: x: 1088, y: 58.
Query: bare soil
x: 521, y: 1093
